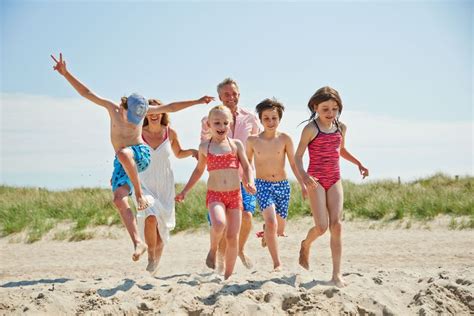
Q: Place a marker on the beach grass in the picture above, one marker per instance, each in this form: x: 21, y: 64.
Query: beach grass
x: 35, y: 211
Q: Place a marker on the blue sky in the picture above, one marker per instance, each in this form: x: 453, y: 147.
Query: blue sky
x: 403, y: 68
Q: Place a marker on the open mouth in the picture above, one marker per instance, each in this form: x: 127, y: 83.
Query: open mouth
x: 220, y: 132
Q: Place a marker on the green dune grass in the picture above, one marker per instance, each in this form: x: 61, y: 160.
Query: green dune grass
x: 36, y: 211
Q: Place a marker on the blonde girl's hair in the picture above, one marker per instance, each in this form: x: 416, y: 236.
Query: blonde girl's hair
x: 221, y: 108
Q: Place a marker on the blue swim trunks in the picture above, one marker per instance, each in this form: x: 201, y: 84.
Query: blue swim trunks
x: 141, y: 155
x: 276, y: 193
x: 249, y: 200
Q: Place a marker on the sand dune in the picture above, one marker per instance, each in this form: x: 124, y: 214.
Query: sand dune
x: 389, y: 271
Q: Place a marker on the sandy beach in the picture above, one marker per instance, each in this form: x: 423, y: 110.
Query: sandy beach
x: 390, y: 270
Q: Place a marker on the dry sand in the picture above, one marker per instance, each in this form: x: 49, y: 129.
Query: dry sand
x: 389, y: 271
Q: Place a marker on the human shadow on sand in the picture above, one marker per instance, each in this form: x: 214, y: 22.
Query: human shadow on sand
x: 311, y: 284
x: 127, y: 285
x: 236, y: 289
x: 34, y: 282
x: 165, y: 278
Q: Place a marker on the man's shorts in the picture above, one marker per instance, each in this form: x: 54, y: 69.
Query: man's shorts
x: 141, y: 155
x: 276, y: 193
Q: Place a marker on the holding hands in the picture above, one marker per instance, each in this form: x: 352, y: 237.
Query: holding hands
x: 250, y: 188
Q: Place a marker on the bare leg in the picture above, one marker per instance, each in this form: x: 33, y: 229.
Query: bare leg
x: 234, y: 220
x: 221, y: 255
x: 128, y: 220
x: 155, y: 244
x: 125, y: 156
x: 270, y: 235
x: 218, y: 220
x: 245, y: 229
x: 281, y: 226
x: 317, y: 201
x: 335, y: 204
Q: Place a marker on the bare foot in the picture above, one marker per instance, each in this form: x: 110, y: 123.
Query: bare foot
x: 139, y: 250
x: 338, y: 281
x: 220, y: 263
x: 245, y: 260
x: 152, y: 266
x: 277, y: 269
x: 304, y: 254
x: 282, y: 234
x: 144, y: 202
x: 211, y: 260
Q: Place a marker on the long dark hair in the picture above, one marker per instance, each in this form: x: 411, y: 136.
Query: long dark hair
x: 321, y: 95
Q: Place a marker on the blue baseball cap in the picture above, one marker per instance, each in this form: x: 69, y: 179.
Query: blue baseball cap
x: 137, y: 107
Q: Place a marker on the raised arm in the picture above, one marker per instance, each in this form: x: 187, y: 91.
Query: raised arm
x: 176, y: 147
x: 306, y: 136
x: 349, y: 157
x: 195, y: 176
x: 84, y: 91
x: 247, y: 178
x: 177, y: 106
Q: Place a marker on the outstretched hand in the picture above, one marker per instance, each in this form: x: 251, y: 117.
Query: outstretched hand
x: 363, y: 171
x: 60, y: 65
x: 206, y: 99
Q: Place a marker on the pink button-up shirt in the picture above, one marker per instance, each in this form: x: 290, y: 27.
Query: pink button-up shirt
x: 246, y: 124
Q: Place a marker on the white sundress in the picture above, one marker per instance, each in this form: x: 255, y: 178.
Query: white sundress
x: 158, y: 181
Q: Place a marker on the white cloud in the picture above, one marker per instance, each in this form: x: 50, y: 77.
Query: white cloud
x: 65, y: 142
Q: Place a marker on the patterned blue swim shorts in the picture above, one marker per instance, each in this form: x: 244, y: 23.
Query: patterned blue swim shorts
x: 141, y: 155
x: 276, y: 193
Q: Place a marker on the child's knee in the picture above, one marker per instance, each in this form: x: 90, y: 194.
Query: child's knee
x: 124, y: 154
x: 321, y: 228
x: 271, y: 225
x: 231, y: 239
x: 336, y: 227
x: 120, y: 197
x: 218, y: 225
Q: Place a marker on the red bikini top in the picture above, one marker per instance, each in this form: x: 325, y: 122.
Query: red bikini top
x: 222, y: 161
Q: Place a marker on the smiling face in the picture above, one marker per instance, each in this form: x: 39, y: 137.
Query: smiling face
x: 229, y: 95
x: 270, y: 119
x: 156, y: 119
x: 219, y: 120
x: 327, y: 111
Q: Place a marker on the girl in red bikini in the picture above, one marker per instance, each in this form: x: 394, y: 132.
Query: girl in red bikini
x: 324, y: 137
x: 224, y: 201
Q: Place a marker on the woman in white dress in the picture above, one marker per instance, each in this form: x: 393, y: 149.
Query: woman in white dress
x: 156, y: 222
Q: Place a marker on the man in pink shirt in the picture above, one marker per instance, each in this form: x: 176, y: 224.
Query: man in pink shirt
x: 245, y: 123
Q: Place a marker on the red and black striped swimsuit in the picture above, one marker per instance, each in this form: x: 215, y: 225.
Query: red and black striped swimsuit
x: 324, y: 151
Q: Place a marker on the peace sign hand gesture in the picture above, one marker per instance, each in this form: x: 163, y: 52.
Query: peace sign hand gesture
x: 60, y: 65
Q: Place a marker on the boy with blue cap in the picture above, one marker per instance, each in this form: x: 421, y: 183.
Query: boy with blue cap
x: 132, y: 155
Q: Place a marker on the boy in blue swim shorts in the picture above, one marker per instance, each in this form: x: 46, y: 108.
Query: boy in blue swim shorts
x: 131, y: 154
x: 273, y: 189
